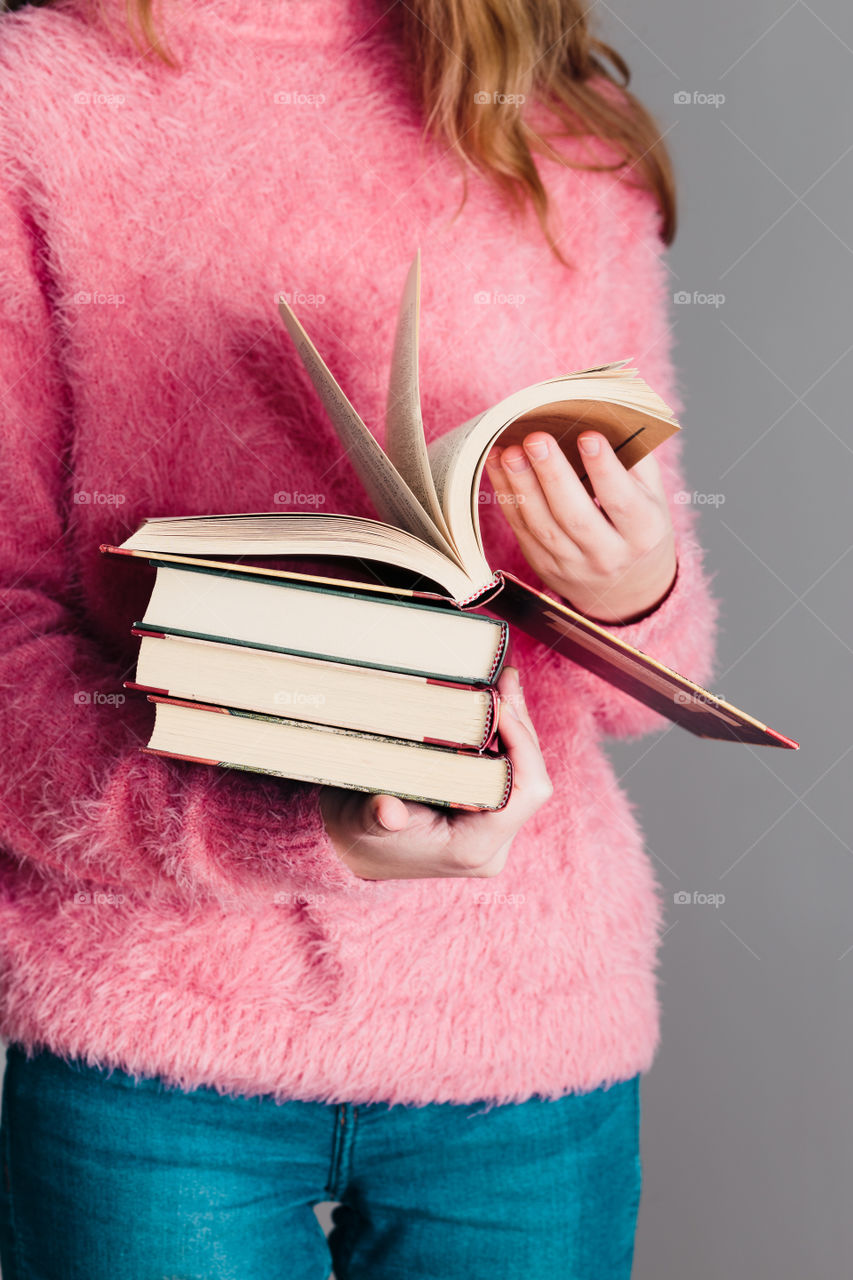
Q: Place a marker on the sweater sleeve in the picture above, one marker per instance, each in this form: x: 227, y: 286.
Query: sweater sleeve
x: 79, y: 801
x: 681, y: 632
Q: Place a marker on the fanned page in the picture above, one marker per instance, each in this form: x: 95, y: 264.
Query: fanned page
x: 386, y: 488
x: 405, y: 442
x: 446, y: 477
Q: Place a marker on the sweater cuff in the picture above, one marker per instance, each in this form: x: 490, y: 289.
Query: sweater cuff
x: 678, y: 632
x: 660, y: 632
x: 621, y: 626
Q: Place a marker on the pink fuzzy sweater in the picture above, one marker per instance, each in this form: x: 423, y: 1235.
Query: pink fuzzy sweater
x: 168, y: 918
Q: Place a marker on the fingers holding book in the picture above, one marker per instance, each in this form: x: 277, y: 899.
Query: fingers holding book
x: 386, y: 838
x: 531, y: 785
x: 613, y: 556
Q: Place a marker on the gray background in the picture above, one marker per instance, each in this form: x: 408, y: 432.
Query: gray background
x: 748, y: 1126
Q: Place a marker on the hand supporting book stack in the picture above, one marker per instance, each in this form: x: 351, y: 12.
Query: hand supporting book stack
x: 304, y: 678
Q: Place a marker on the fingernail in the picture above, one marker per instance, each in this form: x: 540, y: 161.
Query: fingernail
x: 537, y: 449
x: 589, y: 445
x: 377, y: 818
x: 493, y: 457
x: 515, y: 461
x: 510, y: 708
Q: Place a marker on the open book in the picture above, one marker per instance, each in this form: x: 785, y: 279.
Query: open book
x: 427, y: 498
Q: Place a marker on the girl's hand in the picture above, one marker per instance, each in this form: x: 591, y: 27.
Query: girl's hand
x: 385, y: 838
x: 612, y: 560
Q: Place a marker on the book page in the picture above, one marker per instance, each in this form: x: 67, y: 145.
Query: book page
x: 386, y: 488
x: 404, y: 431
x: 611, y: 399
x: 290, y: 533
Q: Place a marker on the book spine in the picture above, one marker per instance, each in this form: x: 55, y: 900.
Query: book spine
x: 500, y: 655
x: 479, y: 596
x: 490, y: 731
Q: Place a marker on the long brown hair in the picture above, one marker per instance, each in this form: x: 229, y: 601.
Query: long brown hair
x: 474, y: 62
x: 476, y: 59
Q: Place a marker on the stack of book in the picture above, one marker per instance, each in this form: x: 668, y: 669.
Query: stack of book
x: 379, y: 688
x: 286, y: 674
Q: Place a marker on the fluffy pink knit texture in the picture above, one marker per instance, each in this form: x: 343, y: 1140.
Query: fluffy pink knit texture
x: 173, y: 919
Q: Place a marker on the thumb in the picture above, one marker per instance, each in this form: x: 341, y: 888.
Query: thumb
x: 386, y: 813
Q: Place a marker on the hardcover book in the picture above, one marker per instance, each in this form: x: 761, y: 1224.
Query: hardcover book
x: 236, y: 739
x: 274, y: 682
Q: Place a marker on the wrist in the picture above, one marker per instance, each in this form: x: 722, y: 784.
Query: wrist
x: 624, y: 612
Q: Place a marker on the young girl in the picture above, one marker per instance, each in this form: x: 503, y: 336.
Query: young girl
x: 229, y: 998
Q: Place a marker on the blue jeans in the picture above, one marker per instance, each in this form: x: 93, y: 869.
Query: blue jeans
x: 110, y: 1179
